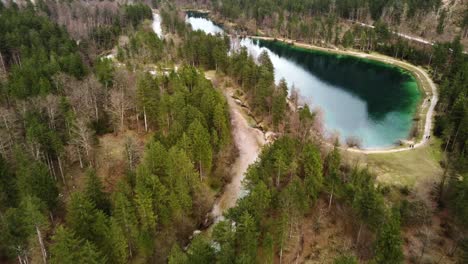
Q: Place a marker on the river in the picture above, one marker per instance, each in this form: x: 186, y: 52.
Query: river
x: 372, y: 101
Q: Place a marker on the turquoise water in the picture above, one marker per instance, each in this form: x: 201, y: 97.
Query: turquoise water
x: 370, y: 100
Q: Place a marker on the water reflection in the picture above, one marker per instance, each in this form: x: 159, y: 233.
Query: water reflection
x: 372, y: 101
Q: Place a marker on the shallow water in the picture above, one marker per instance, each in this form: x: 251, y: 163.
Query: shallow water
x: 369, y: 100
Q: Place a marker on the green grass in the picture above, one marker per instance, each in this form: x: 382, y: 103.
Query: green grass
x: 407, y: 168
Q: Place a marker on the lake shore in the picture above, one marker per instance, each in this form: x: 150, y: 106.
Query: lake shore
x: 425, y: 111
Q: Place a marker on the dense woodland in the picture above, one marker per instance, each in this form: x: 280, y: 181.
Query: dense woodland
x: 319, y: 19
x: 318, y: 22
x: 55, y: 105
x: 59, y: 96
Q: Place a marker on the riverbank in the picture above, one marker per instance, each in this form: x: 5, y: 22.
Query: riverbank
x: 425, y: 111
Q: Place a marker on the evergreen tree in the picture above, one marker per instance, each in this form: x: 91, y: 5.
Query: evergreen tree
x: 124, y: 215
x: 389, y: 243
x: 119, y: 247
x: 33, y: 179
x: 224, y: 235
x: 8, y: 192
x: 200, y: 251
x: 104, y: 71
x: 144, y: 201
x: 313, y: 170
x: 81, y: 214
x: 65, y: 247
x: 68, y: 249
x: 90, y: 255
x: 95, y: 193
x: 201, y: 148
x: 332, y: 171
x: 345, y: 260
x: 177, y: 256
x: 246, y: 238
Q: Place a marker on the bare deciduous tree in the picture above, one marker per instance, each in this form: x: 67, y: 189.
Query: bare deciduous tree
x: 121, y: 98
x: 82, y: 139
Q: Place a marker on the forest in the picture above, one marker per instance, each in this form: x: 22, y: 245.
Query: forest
x: 446, y: 61
x: 62, y: 95
x: 52, y: 125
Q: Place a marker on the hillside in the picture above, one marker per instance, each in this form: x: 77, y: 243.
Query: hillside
x: 126, y: 136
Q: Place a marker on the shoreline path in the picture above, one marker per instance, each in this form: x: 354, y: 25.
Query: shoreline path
x: 419, y: 73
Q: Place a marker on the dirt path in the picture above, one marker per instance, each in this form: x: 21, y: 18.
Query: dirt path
x: 425, y: 81
x: 405, y: 36
x: 248, y: 141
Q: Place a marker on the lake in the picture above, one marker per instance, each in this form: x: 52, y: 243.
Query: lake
x: 370, y: 100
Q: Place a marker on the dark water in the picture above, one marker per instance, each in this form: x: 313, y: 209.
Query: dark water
x: 370, y: 100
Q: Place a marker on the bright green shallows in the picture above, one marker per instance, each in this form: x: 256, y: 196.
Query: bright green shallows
x: 371, y: 100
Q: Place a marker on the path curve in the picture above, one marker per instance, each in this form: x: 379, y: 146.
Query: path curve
x: 249, y: 142
x: 417, y: 71
x: 427, y: 124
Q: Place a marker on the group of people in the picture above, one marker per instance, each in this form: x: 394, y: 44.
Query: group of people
x: 412, y: 145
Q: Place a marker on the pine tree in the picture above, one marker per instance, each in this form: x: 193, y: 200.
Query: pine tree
x: 265, y: 61
x: 332, y: 169
x: 144, y: 202
x: 90, y: 255
x: 224, y: 235
x: 104, y: 71
x: 345, y: 260
x: 117, y: 237
x: 81, y: 216
x: 148, y: 97
x: 67, y: 249
x: 31, y: 208
x: 177, y: 256
x: 7, y: 180
x: 201, y: 148
x: 33, y: 179
x: 200, y: 251
x: 246, y: 239
x: 221, y: 124
x: 279, y: 105
x: 94, y: 191
x: 260, y: 200
x: 313, y: 178
x: 124, y: 214
x: 388, y: 249
x: 155, y: 158
x: 182, y: 178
